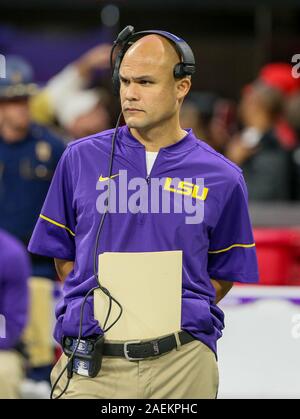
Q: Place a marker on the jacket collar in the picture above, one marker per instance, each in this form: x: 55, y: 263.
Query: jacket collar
x: 185, y: 144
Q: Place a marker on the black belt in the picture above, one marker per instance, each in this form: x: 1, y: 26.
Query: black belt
x: 137, y: 350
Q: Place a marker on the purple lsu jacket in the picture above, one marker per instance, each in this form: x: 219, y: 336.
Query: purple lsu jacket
x: 221, y: 246
x: 14, y: 294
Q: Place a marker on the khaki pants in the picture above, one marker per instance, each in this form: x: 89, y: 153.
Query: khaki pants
x: 38, y: 332
x: 11, y: 374
x: 188, y: 373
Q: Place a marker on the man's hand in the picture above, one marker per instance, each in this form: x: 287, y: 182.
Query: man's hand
x: 222, y: 288
x: 238, y: 152
x: 63, y: 268
x: 97, y: 58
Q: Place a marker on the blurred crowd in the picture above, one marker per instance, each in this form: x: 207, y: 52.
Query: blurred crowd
x: 260, y: 133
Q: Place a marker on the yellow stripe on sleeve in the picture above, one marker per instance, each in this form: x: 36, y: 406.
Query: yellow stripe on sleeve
x: 230, y: 247
x: 57, y: 224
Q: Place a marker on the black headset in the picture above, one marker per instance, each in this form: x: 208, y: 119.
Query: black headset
x: 127, y: 37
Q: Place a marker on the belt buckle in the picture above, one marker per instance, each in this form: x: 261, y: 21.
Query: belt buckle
x: 126, y: 351
x: 155, y: 347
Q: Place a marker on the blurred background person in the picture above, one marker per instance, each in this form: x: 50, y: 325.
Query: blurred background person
x: 28, y: 156
x: 14, y: 306
x: 72, y: 99
x: 262, y: 147
x: 279, y: 76
x: 292, y: 114
x: 83, y: 113
x: 211, y: 117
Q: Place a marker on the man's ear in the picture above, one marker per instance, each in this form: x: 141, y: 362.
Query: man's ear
x: 183, y: 87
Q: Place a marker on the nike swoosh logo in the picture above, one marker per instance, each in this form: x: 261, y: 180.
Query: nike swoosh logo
x: 103, y: 179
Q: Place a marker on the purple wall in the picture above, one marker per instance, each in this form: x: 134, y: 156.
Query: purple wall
x: 49, y: 52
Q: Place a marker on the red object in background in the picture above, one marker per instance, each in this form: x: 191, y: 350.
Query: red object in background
x: 279, y: 75
x: 286, y: 135
x: 278, y: 252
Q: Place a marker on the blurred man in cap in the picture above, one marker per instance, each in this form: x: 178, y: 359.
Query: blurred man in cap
x: 17, y: 83
x: 28, y: 157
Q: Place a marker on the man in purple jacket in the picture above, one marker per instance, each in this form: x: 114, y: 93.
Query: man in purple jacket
x: 217, y: 250
x: 14, y: 273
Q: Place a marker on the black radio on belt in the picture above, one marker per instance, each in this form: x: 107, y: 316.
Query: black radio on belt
x: 88, y: 356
